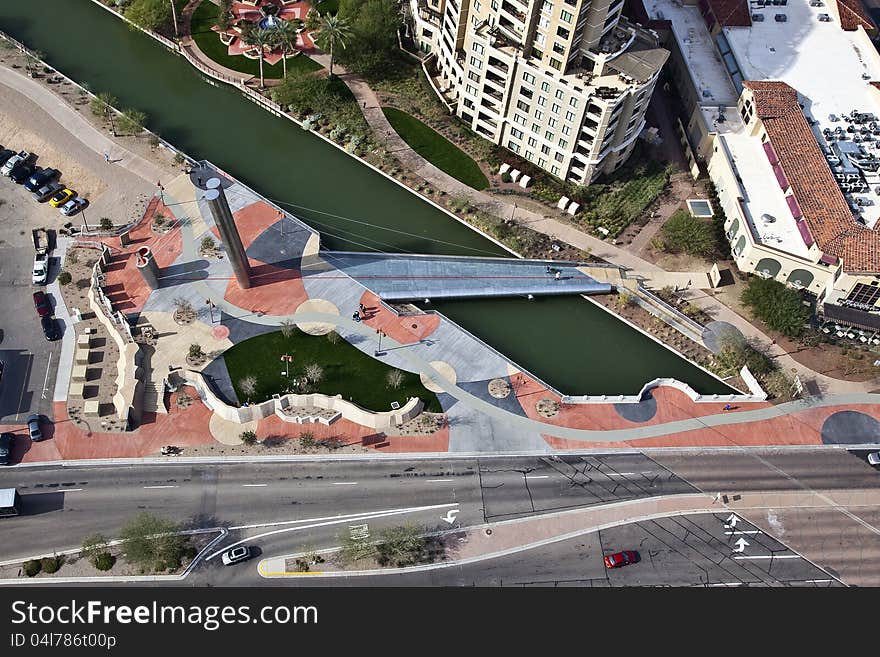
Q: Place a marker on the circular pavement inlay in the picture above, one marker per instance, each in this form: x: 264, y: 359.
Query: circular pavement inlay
x: 317, y: 306
x: 499, y: 388
x: 443, y: 368
x: 850, y: 428
x: 638, y: 412
x: 547, y: 407
x: 220, y: 332
x: 716, y: 333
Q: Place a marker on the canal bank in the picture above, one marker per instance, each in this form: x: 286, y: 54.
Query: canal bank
x: 573, y: 345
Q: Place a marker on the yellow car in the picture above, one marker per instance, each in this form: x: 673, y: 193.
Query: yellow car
x: 61, y: 197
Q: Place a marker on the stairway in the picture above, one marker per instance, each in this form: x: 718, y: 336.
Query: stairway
x: 153, y: 403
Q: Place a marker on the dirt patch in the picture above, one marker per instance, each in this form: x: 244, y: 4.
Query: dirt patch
x: 275, y: 446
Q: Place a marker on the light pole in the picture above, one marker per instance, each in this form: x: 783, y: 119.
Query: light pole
x: 161, y: 191
x: 378, y: 351
x: 286, y: 359
x: 85, y: 223
x: 210, y: 309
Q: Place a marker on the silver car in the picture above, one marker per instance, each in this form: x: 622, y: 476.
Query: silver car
x: 236, y: 555
x: 874, y: 458
x: 33, y: 423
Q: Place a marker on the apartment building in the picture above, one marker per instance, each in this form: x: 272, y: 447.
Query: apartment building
x: 783, y: 108
x: 563, y: 83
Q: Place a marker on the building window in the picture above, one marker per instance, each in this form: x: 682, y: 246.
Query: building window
x: 569, y: 116
x: 474, y: 76
x: 558, y: 48
x: 532, y: 142
x: 540, y: 39
x: 566, y: 130
x: 478, y: 48
x: 548, y: 135
x: 494, y: 5
x: 554, y: 170
x: 555, y: 63
x: 544, y: 22
x: 524, y: 91
x: 542, y: 101
x: 517, y: 134
x: 555, y: 109
x: 560, y: 94
x: 562, y: 32
x: 558, y: 157
x: 513, y: 146
x: 542, y: 162
x: 547, y: 7
x: 522, y: 105
x: 530, y: 155
x: 519, y: 119
x: 563, y: 143
x: 573, y: 101
x: 552, y: 122
x: 527, y: 77
x: 545, y: 86
x: 563, y: 15
x: 536, y: 128
x: 476, y: 63
x: 545, y: 150
x: 539, y: 115
x: 472, y: 90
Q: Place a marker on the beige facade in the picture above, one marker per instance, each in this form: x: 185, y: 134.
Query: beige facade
x: 563, y: 83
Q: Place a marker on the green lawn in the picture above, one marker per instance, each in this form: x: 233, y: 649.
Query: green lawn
x: 435, y: 148
x: 347, y: 371
x: 205, y: 17
x: 328, y: 7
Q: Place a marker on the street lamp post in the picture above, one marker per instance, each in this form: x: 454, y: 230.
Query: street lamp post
x: 286, y: 359
x: 210, y: 309
x: 379, y: 348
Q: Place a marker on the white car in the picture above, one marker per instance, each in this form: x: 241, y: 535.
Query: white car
x: 73, y: 206
x: 874, y: 458
x: 41, y: 269
x: 236, y: 555
x: 12, y: 161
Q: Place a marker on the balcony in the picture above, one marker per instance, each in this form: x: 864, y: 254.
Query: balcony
x: 498, y: 65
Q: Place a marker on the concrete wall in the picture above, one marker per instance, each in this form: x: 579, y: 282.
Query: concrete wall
x: 348, y: 410
x: 671, y: 383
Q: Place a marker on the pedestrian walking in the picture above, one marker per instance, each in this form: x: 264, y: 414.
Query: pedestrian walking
x: 107, y: 158
x: 365, y: 104
x: 558, y: 275
x: 199, y: 180
x: 727, y: 407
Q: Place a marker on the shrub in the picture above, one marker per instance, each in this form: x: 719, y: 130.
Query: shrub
x: 394, y: 379
x: 207, y: 244
x: 82, y: 283
x: 106, y: 223
x: 683, y: 233
x: 505, y: 177
x: 777, y: 305
x: 195, y: 351
x: 333, y: 337
x: 104, y: 561
x: 32, y: 567
x: 64, y: 277
x: 248, y: 437
x: 51, y: 564
x: 306, y: 440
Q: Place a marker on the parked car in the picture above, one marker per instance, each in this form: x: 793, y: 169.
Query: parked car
x: 74, y: 205
x: 33, y: 423
x: 50, y: 328
x: 42, y: 304
x: 41, y: 269
x: 46, y: 191
x: 619, y: 559
x: 40, y: 178
x: 874, y: 458
x: 7, y: 443
x: 12, y: 161
x: 5, y: 154
x: 61, y: 197
x: 236, y: 555
x: 22, y: 171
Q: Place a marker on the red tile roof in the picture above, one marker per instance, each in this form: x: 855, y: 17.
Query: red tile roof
x: 824, y: 207
x: 852, y: 14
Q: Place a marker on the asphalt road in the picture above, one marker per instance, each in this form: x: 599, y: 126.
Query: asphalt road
x: 31, y: 362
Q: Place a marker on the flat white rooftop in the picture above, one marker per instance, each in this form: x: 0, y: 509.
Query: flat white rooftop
x: 763, y: 201
x: 704, y: 63
x: 830, y: 68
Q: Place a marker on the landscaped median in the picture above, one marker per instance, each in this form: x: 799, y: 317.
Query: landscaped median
x: 435, y: 148
x: 405, y: 548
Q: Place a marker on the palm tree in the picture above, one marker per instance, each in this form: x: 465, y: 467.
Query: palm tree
x: 285, y: 38
x: 332, y: 30
x: 253, y: 35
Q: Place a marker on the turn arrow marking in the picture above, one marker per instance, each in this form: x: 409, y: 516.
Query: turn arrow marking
x: 741, y: 545
x: 450, y: 516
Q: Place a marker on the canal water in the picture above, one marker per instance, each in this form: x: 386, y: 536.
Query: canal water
x: 569, y: 342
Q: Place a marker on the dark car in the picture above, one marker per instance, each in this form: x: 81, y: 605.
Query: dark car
x: 5, y: 154
x: 50, y: 328
x: 41, y: 178
x: 619, y: 559
x: 42, y: 304
x: 33, y: 423
x: 45, y: 192
x: 7, y: 444
x: 22, y: 171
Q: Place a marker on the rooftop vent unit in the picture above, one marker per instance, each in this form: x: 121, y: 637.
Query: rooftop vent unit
x: 817, y: 3
x: 768, y: 218
x: 757, y: 18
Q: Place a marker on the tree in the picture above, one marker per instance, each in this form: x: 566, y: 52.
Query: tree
x: 207, y: 244
x: 248, y: 437
x: 248, y: 385
x: 102, y: 105
x: 314, y: 372
x: 777, y: 305
x: 331, y: 31
x: 287, y: 328
x: 285, y: 38
x: 224, y: 21
x: 394, y: 378
x: 253, y: 35
x: 402, y: 546
x: 313, y: 20
x: 105, y: 223
x: 153, y: 543
x: 182, y: 307
x: 333, y: 337
x: 685, y: 233
x: 306, y: 93
x: 151, y: 14
x: 132, y: 121
x: 373, y: 46
x: 195, y: 351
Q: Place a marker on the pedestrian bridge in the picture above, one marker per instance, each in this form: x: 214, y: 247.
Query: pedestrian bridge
x: 405, y: 277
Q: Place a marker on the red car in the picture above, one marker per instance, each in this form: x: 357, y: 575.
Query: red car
x: 619, y: 559
x: 42, y: 305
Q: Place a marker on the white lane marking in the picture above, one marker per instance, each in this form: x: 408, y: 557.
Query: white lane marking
x: 537, y: 476
x: 334, y: 521
x: 160, y: 486
x: 338, y: 516
x: 59, y: 490
x: 436, y: 481
x: 770, y: 556
x: 345, y: 483
x: 737, y: 533
x: 254, y: 485
x: 622, y: 474
x: 68, y: 490
x: 46, y: 380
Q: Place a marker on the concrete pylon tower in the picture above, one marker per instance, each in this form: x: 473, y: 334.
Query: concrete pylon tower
x: 216, y: 198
